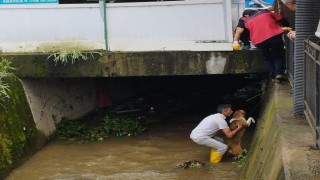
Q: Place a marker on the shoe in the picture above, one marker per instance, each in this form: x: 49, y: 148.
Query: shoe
x: 281, y: 78
x: 246, y: 47
x: 214, y: 156
x: 276, y: 80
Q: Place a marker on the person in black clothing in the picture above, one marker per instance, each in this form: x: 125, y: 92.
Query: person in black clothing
x: 245, y: 35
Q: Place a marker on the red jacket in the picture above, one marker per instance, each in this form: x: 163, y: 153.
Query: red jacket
x: 263, y: 26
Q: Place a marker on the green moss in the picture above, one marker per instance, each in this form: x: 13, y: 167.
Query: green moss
x: 6, y: 157
x: 17, y: 128
x: 264, y: 155
x: 239, y: 62
x: 40, y: 66
x: 57, y: 47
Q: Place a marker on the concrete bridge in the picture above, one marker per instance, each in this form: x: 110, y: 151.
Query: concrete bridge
x: 178, y: 38
x: 170, y: 38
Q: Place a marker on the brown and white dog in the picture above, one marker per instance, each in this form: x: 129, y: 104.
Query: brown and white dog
x: 234, y: 143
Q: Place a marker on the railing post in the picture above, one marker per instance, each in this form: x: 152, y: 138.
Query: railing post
x: 103, y: 7
x: 103, y: 11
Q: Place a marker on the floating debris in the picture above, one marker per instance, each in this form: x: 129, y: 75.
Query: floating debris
x: 192, y: 164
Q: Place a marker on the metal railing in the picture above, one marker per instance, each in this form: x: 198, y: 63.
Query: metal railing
x: 311, y: 80
x: 289, y: 44
x: 312, y: 84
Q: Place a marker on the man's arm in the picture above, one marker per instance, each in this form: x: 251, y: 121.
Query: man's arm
x: 238, y: 33
x: 236, y: 45
x: 230, y: 133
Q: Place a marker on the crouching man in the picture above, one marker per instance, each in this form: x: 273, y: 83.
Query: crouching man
x: 205, y: 132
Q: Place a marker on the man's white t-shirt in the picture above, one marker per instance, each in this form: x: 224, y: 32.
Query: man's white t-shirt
x: 209, y: 126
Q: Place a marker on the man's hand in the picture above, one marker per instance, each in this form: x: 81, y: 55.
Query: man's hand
x: 239, y: 126
x: 236, y: 45
x: 291, y: 35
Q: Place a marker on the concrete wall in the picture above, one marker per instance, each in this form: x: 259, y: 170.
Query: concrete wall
x: 19, y: 137
x: 283, y: 146
x: 264, y: 160
x: 195, y: 25
x: 50, y: 99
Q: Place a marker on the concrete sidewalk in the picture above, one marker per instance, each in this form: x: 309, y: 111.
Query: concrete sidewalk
x: 300, y: 158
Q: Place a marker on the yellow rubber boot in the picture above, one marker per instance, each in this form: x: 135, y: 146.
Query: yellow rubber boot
x: 214, y: 156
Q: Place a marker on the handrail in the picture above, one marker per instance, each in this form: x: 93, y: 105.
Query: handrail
x: 103, y: 11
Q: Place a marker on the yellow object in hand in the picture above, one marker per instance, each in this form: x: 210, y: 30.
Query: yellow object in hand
x: 236, y: 45
x: 286, y: 28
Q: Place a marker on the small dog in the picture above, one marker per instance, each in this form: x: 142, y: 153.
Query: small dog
x: 234, y: 143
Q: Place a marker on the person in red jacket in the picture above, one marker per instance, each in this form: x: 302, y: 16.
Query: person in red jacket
x: 266, y: 35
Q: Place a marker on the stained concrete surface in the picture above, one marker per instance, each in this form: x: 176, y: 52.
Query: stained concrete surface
x: 300, y: 159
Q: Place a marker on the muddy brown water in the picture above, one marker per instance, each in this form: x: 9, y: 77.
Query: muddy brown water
x: 156, y: 154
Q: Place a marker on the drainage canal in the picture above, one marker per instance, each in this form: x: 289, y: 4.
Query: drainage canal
x: 167, y: 108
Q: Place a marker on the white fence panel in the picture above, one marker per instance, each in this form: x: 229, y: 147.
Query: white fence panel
x: 193, y: 25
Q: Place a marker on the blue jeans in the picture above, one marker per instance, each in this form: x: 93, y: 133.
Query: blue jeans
x: 274, y: 54
x: 215, y: 142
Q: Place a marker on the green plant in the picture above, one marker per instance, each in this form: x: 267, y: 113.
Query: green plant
x: 240, y: 160
x: 77, y: 130
x: 123, y: 127
x: 68, y: 129
x: 4, y: 90
x: 70, y: 55
x: 5, y: 69
x: 64, y: 56
x: 192, y: 164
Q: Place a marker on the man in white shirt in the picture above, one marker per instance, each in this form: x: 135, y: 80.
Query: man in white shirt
x: 205, y: 132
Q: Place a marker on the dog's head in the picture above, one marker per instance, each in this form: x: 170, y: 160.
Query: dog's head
x: 239, y: 114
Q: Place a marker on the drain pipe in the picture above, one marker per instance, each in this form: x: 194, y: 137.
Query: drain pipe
x: 307, y: 18
x: 103, y: 11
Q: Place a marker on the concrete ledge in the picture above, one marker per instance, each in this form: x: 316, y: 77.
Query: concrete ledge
x: 140, y: 64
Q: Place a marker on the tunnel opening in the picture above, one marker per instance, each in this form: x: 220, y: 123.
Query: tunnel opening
x: 167, y: 96
x: 174, y: 100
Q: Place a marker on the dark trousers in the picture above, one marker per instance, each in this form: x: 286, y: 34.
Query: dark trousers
x: 274, y: 54
x: 245, y: 37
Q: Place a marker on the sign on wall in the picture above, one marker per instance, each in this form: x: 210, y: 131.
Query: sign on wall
x: 28, y: 1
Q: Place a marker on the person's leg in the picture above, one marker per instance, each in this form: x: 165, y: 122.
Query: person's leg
x: 278, y: 54
x: 245, y: 39
x: 266, y: 54
x: 217, y: 148
x: 220, y: 147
